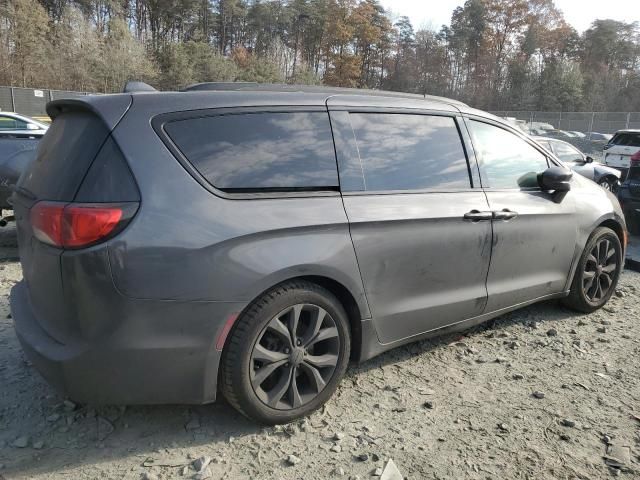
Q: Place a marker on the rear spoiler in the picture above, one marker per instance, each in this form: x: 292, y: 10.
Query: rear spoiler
x: 110, y: 108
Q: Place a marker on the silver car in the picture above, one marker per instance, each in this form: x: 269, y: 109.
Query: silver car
x: 21, y: 126
x: 253, y: 242
x: 607, y: 177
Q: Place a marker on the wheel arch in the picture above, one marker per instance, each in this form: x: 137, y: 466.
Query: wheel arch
x: 606, y: 176
x: 610, y: 220
x: 618, y: 229
x: 348, y: 301
x: 341, y: 292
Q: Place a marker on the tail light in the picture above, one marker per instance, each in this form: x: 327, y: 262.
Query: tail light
x: 79, y: 225
x: 635, y: 159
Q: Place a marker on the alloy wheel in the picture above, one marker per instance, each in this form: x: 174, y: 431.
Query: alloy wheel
x: 599, y: 270
x: 294, y: 357
x: 605, y: 184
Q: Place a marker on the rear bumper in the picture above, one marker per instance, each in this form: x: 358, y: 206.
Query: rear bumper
x: 168, y: 358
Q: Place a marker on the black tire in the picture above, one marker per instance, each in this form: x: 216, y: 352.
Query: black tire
x: 257, y: 345
x: 601, y: 253
x: 609, y: 183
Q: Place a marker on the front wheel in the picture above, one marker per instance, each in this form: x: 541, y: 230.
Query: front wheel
x: 610, y: 184
x: 286, y: 354
x: 597, y: 273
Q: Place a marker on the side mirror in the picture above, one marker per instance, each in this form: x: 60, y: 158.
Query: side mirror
x: 32, y: 126
x: 555, y: 178
x: 588, y: 159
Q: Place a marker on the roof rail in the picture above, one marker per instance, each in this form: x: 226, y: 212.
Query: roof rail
x: 280, y: 87
x: 196, y: 87
x: 133, y: 86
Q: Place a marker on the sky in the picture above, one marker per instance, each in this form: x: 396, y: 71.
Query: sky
x: 578, y: 13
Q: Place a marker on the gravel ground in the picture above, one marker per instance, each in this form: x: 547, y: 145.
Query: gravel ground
x: 539, y: 393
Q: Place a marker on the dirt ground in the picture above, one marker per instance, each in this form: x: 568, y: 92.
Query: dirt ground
x: 539, y: 393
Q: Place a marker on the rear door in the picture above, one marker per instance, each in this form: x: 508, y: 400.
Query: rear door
x: 534, y: 232
x: 421, y: 232
x: 619, y: 150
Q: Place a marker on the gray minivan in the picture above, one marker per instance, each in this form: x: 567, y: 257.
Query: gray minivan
x: 254, y: 240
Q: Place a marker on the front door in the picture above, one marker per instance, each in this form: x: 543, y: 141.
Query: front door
x: 534, y: 232
x: 421, y: 233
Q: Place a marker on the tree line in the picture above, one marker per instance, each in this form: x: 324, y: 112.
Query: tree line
x: 495, y: 54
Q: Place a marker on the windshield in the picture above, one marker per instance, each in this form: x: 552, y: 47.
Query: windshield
x: 567, y: 152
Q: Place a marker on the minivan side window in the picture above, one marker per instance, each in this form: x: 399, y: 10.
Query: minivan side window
x: 410, y: 151
x: 506, y: 160
x: 262, y: 151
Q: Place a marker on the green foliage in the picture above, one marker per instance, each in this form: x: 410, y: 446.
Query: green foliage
x: 260, y: 70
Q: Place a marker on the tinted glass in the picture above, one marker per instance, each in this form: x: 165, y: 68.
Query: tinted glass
x: 566, y: 152
x: 506, y: 160
x: 626, y: 139
x: 64, y: 156
x: 410, y: 152
x: 271, y: 151
x: 8, y: 123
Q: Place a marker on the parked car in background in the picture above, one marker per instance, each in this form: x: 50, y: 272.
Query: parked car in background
x: 558, y: 134
x: 600, y: 137
x: 629, y: 194
x: 577, y: 134
x: 322, y: 225
x: 618, y: 151
x: 13, y: 161
x: 19, y: 137
x: 21, y: 126
x: 607, y: 177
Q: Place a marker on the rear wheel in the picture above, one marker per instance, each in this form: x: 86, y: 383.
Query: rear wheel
x: 286, y: 354
x: 597, y: 272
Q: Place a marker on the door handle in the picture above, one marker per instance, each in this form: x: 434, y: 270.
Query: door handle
x: 478, y: 216
x: 504, y: 214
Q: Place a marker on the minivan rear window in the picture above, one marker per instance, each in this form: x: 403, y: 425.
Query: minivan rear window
x: 262, y: 151
x: 64, y: 156
x: 410, y: 151
x: 626, y: 139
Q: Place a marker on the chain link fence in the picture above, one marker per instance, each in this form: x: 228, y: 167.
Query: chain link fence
x: 32, y: 101
x: 588, y: 131
x: 585, y: 123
